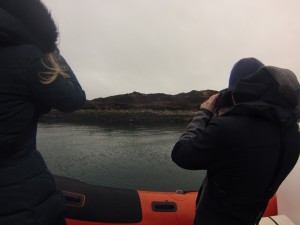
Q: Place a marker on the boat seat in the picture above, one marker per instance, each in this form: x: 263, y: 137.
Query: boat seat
x: 95, y: 203
x: 276, y: 220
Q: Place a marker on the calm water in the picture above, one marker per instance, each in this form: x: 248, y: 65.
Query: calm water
x: 134, y: 157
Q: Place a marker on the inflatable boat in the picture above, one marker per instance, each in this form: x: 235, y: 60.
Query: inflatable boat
x: 98, y: 205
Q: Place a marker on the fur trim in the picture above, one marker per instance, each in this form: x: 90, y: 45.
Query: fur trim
x: 37, y: 19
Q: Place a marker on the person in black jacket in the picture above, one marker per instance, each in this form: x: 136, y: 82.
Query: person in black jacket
x: 247, y: 138
x: 34, y: 78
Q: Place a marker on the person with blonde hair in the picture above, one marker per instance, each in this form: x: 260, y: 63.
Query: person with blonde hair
x: 34, y: 78
x: 248, y: 149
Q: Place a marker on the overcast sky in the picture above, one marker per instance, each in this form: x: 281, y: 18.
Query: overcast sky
x: 172, y: 46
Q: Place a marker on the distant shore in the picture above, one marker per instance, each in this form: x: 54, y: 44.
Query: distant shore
x: 132, y: 116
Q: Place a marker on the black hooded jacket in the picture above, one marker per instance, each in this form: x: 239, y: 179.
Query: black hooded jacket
x: 247, y: 152
x: 23, y: 97
x: 28, y: 192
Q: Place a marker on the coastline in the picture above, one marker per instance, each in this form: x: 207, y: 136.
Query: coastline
x: 124, y: 116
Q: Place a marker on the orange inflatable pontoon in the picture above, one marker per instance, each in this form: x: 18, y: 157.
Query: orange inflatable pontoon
x: 98, y: 205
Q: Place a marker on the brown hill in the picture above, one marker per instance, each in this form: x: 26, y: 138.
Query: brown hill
x: 159, y: 101
x: 135, y: 108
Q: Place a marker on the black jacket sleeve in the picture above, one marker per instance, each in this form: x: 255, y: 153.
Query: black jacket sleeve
x: 200, y: 145
x: 64, y: 94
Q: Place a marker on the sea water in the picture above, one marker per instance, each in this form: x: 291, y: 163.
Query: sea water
x: 122, y: 156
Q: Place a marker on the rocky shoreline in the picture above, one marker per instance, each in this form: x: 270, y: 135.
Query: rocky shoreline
x: 130, y: 116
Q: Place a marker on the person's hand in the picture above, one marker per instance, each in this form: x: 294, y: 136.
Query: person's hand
x: 210, y: 104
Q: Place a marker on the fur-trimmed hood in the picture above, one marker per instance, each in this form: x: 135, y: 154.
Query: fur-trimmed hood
x: 27, y: 21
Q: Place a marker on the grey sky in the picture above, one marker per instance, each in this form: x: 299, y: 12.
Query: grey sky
x: 172, y: 46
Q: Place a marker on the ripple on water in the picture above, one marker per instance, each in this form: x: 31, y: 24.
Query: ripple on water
x: 125, y: 157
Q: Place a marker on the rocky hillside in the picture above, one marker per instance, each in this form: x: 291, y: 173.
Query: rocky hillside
x: 135, y: 108
x: 136, y: 100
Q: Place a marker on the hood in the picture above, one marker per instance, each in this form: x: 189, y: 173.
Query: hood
x: 27, y: 22
x: 272, y: 87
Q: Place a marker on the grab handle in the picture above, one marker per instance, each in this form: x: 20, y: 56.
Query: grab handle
x: 164, y: 206
x: 74, y: 199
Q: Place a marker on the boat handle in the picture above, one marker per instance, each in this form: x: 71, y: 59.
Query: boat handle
x: 164, y: 206
x: 74, y: 199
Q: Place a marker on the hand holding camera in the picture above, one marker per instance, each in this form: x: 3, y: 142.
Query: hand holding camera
x: 210, y: 104
x: 218, y: 101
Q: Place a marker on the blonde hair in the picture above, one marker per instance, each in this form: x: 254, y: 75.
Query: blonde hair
x: 55, y: 70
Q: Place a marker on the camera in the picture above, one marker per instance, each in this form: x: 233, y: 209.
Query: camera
x: 224, y: 99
